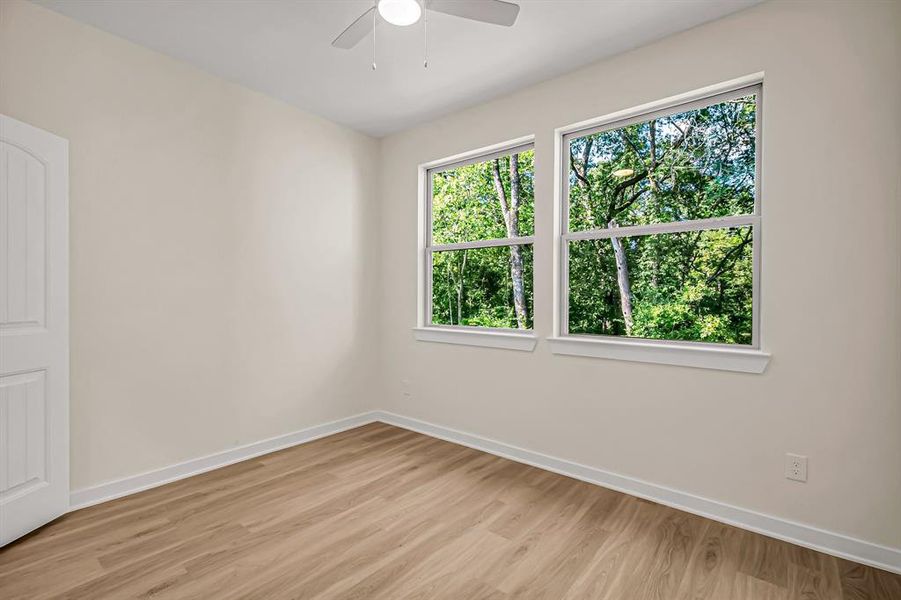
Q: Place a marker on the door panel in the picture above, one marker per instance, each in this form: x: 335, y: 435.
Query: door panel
x: 23, y: 442
x: 34, y: 328
x: 23, y: 202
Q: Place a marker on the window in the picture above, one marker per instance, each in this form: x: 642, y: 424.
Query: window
x: 659, y: 224
x: 479, y: 223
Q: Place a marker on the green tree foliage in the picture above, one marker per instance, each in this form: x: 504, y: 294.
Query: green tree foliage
x: 465, y: 206
x: 476, y: 286
x: 693, y: 285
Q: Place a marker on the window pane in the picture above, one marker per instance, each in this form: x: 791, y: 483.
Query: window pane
x: 485, y: 287
x: 483, y: 201
x: 694, y: 286
x: 696, y: 164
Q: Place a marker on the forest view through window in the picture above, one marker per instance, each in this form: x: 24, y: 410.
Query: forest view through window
x: 480, y: 241
x: 661, y: 224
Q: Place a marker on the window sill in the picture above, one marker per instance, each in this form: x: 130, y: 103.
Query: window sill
x: 473, y: 337
x: 703, y: 357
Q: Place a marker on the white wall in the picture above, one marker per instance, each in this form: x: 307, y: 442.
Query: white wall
x: 211, y: 304
x: 831, y: 281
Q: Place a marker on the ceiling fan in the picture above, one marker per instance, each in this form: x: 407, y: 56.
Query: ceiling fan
x: 408, y: 12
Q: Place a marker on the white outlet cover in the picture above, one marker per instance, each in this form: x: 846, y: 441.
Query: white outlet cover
x: 796, y: 467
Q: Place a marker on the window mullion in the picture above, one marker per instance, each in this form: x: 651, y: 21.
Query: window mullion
x: 517, y: 241
x: 656, y: 228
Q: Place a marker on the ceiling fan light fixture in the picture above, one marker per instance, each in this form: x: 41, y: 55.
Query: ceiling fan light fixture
x: 400, y: 12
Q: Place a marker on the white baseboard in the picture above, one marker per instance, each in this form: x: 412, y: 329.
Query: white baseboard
x: 828, y: 542
x: 151, y: 479
x: 824, y: 541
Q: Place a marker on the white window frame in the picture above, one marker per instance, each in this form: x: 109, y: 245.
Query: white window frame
x: 425, y: 330
x: 746, y: 358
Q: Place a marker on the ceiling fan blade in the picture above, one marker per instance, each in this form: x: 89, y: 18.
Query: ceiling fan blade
x: 497, y: 12
x: 356, y: 31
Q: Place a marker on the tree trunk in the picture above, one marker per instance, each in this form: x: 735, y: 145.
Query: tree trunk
x: 511, y: 221
x: 622, y: 280
x: 652, y: 168
x: 460, y: 291
x: 519, y: 292
x: 450, y: 299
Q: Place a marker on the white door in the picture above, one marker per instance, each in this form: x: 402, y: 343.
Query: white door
x: 34, y: 328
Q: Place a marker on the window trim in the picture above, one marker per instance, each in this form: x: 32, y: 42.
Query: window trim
x: 425, y: 330
x: 486, y: 337
x: 737, y: 357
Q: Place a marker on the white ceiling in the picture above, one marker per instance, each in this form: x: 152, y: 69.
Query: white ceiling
x: 283, y: 48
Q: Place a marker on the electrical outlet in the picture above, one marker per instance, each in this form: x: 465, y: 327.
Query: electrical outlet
x: 796, y: 467
x: 405, y: 386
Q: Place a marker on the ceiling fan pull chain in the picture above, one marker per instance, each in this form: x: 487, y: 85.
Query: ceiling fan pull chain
x: 374, y: 14
x: 425, y: 29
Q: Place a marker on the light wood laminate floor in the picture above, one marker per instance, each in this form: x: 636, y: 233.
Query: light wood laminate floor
x: 381, y: 512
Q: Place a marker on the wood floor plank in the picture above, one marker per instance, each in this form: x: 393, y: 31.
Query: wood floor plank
x: 616, y: 564
x: 713, y: 566
x: 811, y: 584
x: 380, y: 512
x: 564, y: 556
x: 765, y: 558
x: 747, y: 587
x: 674, y: 542
x: 858, y: 582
